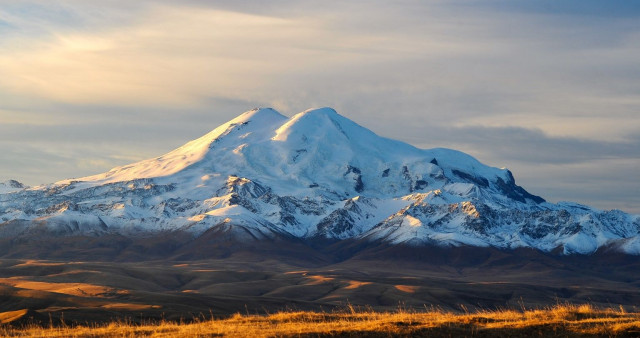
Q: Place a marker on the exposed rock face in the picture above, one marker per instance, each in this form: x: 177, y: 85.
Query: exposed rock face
x: 316, y: 175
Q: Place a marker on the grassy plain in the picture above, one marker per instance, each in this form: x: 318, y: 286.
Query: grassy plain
x: 467, y: 292
x: 557, y: 321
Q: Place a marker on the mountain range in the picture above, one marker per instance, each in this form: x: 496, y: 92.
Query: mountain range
x: 317, y: 177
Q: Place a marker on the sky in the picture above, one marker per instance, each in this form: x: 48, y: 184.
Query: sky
x: 548, y: 89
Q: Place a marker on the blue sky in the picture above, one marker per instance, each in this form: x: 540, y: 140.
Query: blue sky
x: 549, y: 89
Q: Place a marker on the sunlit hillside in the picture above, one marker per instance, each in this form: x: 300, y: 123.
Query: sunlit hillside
x: 560, y: 320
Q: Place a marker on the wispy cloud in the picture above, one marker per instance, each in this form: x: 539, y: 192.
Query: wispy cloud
x: 526, y: 84
x: 534, y: 146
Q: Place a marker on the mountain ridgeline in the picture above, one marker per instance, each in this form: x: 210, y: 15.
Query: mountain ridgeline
x: 265, y: 180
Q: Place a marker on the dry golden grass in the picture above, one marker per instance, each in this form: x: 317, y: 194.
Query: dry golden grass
x: 74, y: 289
x: 560, y: 320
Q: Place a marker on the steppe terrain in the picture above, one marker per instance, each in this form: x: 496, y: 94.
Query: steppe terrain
x: 557, y: 321
x: 455, y: 280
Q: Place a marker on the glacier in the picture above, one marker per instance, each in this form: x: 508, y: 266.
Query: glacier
x: 316, y: 175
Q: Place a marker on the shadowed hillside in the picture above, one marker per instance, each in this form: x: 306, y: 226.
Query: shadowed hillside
x: 382, y: 278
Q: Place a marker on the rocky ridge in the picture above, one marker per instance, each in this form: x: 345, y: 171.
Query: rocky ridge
x: 316, y: 175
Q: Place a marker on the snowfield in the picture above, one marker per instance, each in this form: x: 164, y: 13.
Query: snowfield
x: 314, y: 175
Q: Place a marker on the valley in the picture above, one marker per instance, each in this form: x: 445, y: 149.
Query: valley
x: 455, y: 280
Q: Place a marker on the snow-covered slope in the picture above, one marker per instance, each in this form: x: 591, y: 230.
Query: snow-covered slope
x: 10, y: 186
x: 314, y: 175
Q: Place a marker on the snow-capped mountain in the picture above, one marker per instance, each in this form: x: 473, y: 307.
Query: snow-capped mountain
x: 10, y: 186
x: 316, y: 175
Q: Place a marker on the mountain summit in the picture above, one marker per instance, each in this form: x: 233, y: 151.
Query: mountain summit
x: 314, y: 176
x: 314, y: 153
